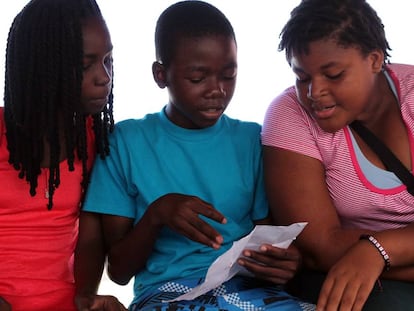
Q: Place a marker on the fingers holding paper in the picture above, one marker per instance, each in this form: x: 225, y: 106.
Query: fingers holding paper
x: 270, y: 263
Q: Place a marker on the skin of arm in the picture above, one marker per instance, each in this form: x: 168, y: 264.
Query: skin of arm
x: 123, y: 239
x: 315, y: 206
x: 348, y: 285
x: 178, y: 212
x: 89, y: 254
x: 293, y: 198
x: 89, y: 265
x: 324, y: 244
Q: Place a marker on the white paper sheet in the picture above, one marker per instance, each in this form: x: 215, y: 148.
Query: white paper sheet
x: 226, y: 266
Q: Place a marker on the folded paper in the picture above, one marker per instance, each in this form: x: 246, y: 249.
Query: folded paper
x: 226, y: 266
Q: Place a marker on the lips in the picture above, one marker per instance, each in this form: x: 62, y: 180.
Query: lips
x: 99, y: 101
x: 323, y: 111
x: 213, y: 112
x: 96, y: 105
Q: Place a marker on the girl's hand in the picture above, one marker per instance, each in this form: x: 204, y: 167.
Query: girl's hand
x: 271, y: 263
x: 181, y: 213
x: 99, y: 303
x: 351, y: 280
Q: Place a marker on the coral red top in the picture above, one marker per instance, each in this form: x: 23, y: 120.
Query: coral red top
x: 37, y: 244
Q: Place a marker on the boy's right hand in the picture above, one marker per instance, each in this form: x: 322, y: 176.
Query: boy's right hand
x: 181, y: 213
x: 98, y: 303
x: 4, y: 305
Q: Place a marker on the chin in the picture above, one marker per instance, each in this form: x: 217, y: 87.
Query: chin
x: 94, y: 110
x: 208, y: 123
x: 330, y: 128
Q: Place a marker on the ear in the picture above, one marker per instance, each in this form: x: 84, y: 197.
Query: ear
x: 159, y: 74
x: 377, y: 59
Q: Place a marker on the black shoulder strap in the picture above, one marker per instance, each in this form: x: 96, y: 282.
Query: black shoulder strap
x: 391, y: 162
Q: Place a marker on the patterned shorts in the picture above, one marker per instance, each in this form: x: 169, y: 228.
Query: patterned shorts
x: 239, y: 293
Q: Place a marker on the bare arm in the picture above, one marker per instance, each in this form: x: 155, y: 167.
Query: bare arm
x: 89, y: 254
x: 130, y: 246
x: 89, y: 265
x: 297, y: 192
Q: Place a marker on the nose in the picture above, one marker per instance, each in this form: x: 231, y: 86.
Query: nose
x: 314, y: 90
x: 104, y: 75
x: 218, y: 90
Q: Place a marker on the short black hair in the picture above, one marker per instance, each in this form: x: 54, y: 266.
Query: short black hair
x: 188, y: 19
x: 348, y: 22
x: 43, y: 84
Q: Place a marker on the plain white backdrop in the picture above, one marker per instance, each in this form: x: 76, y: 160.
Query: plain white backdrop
x: 263, y: 72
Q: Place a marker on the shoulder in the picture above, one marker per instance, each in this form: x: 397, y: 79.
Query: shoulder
x: 402, y: 75
x: 287, y: 100
x: 400, y: 70
x: 242, y: 127
x: 135, y: 126
x: 285, y: 114
x: 284, y: 108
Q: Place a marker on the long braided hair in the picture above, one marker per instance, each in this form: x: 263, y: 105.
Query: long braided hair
x: 43, y: 84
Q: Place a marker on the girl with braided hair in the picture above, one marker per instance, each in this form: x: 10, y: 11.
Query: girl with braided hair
x: 57, y: 114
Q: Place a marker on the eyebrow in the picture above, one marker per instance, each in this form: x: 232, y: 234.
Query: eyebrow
x: 325, y: 66
x: 93, y: 55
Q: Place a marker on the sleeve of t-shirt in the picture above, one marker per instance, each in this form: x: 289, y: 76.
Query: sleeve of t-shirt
x: 288, y: 126
x: 260, y: 204
x: 110, y: 191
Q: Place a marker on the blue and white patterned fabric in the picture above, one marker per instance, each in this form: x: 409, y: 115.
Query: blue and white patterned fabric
x: 239, y: 293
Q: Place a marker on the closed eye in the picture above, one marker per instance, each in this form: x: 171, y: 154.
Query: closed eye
x: 195, y: 80
x: 335, y: 77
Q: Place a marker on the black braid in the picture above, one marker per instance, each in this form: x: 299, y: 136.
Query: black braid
x: 43, y: 82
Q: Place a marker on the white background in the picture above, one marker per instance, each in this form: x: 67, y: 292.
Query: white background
x: 263, y: 72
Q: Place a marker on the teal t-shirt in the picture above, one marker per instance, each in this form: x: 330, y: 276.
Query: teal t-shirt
x: 151, y: 157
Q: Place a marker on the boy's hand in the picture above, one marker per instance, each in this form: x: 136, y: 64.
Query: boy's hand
x: 181, y: 213
x: 271, y: 263
x: 99, y: 303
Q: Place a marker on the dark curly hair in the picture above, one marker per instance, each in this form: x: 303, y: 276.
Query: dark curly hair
x: 43, y: 83
x: 188, y: 19
x: 349, y: 22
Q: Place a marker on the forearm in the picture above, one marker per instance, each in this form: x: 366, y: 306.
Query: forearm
x: 323, y: 252
x: 399, y: 246
x: 396, y: 242
x: 89, y: 254
x: 130, y: 253
x: 405, y: 274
